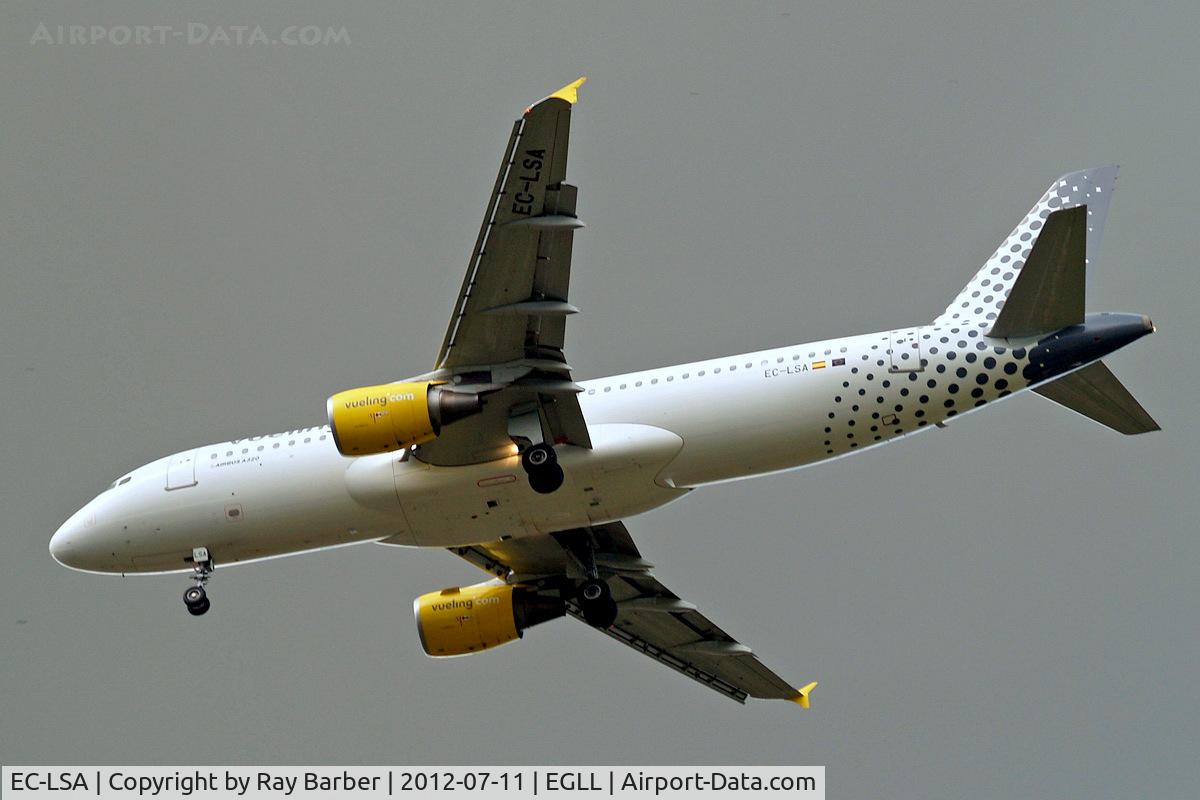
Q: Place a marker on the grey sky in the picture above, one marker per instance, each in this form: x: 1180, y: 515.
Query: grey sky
x: 199, y: 242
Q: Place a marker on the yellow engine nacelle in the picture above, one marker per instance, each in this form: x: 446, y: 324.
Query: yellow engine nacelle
x: 461, y: 620
x: 378, y: 419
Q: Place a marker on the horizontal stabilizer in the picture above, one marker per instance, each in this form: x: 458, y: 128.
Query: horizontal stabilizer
x: 1096, y: 393
x: 1048, y: 292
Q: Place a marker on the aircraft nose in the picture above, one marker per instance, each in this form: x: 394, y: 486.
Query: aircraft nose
x: 73, y: 545
x: 61, y: 542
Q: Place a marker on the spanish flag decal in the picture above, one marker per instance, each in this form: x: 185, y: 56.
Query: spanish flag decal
x: 818, y: 365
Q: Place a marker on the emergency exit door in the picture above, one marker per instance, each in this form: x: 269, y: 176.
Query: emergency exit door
x: 181, y: 471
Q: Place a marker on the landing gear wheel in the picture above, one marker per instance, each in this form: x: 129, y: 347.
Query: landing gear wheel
x: 199, y: 608
x: 597, y: 604
x: 546, y: 479
x: 195, y: 598
x: 538, y: 457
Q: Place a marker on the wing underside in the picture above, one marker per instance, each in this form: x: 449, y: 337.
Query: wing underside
x: 507, y: 330
x: 651, y: 619
x: 505, y: 343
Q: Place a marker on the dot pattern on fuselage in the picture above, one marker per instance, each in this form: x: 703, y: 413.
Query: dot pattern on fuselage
x: 961, y: 370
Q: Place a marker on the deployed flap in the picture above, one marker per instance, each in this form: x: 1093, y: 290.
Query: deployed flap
x: 1095, y: 392
x: 655, y: 622
x: 1049, y: 291
x: 651, y: 618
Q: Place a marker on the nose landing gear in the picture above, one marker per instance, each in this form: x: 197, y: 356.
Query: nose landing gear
x: 540, y: 463
x: 195, y: 598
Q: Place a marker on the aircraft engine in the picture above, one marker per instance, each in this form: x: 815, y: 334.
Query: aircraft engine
x: 379, y: 419
x: 458, y: 621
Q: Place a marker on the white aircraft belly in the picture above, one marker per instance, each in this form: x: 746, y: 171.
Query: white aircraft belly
x: 279, y: 502
x: 449, y: 506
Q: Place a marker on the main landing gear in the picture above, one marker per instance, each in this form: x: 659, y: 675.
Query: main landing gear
x: 593, y: 595
x: 195, y: 598
x: 540, y: 463
x: 597, y: 604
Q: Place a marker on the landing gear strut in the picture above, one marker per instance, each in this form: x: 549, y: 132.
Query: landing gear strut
x: 594, y: 595
x: 540, y: 463
x: 195, y: 598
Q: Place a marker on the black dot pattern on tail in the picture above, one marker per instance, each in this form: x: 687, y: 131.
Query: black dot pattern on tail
x: 893, y: 403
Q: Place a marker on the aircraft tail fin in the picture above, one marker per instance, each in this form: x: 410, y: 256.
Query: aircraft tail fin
x: 1034, y: 282
x: 1096, y: 393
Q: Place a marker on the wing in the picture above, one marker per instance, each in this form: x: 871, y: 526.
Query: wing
x: 507, y: 329
x: 651, y: 618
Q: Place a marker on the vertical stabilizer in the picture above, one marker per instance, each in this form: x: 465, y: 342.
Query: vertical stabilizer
x: 979, y: 304
x: 1048, y: 293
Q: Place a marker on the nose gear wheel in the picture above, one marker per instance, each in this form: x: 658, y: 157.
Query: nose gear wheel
x: 196, y: 598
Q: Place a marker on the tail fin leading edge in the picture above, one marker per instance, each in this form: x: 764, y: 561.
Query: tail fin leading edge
x: 1096, y: 393
x: 1055, y: 292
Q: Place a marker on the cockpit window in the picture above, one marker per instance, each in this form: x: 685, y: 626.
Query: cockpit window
x: 120, y: 482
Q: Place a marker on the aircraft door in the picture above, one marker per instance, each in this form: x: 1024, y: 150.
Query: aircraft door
x: 904, y: 351
x: 181, y: 470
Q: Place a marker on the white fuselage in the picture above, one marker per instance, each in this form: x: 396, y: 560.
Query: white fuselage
x: 656, y: 434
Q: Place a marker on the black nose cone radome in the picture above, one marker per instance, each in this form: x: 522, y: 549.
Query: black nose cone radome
x: 1076, y: 345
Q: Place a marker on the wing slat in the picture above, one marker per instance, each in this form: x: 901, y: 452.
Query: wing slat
x: 464, y: 293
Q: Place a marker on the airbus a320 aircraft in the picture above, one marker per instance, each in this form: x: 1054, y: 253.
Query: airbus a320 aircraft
x: 499, y: 456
